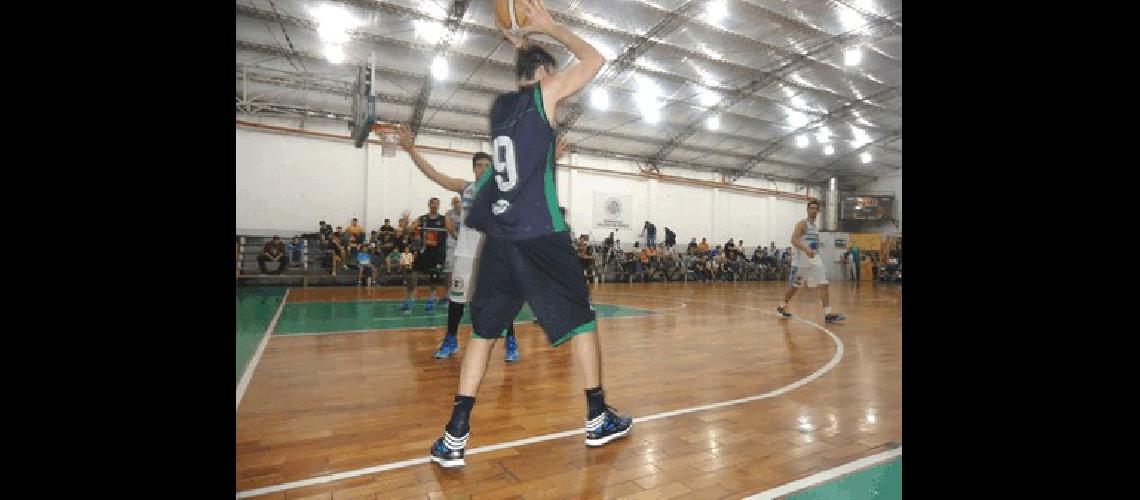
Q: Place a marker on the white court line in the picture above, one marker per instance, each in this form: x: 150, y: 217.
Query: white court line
x: 433, y: 327
x: 427, y: 327
x: 827, y: 475
x: 247, y: 375
x: 558, y: 435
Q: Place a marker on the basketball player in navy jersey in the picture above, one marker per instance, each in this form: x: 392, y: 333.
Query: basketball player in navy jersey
x: 468, y: 242
x: 527, y: 255
x: 807, y: 267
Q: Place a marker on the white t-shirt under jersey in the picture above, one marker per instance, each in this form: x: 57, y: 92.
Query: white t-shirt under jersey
x: 470, y: 241
x: 811, y: 238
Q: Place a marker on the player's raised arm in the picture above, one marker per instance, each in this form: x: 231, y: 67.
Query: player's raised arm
x: 408, y: 143
x: 566, y: 82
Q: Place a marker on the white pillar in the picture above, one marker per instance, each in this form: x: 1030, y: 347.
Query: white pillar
x: 364, y: 210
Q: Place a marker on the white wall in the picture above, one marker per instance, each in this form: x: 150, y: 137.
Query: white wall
x: 286, y: 183
x: 891, y: 183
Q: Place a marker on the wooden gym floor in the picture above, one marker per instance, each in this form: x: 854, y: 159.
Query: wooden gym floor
x: 731, y: 400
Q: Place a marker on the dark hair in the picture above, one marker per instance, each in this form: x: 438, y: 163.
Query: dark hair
x: 528, y: 59
x: 813, y: 202
x: 433, y: 198
x: 480, y: 156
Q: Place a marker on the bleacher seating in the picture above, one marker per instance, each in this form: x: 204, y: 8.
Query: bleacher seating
x: 315, y: 270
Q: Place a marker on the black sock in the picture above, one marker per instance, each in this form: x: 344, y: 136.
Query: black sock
x: 454, y: 314
x: 595, y: 402
x: 460, y: 414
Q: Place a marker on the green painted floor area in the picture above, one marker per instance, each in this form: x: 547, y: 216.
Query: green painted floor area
x: 255, y: 309
x: 883, y: 481
x: 318, y: 317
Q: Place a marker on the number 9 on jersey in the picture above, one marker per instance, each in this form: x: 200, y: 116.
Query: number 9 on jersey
x: 506, y: 173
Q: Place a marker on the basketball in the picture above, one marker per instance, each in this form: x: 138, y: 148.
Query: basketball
x: 510, y: 16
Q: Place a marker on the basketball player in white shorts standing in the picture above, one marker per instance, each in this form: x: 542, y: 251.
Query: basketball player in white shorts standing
x: 807, y: 266
x: 463, y: 261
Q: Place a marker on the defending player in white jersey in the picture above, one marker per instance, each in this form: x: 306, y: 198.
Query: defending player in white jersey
x: 807, y: 266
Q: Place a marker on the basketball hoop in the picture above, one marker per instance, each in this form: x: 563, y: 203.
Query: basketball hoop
x: 389, y: 137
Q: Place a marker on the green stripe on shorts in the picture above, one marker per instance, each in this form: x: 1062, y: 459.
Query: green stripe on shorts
x: 586, y: 328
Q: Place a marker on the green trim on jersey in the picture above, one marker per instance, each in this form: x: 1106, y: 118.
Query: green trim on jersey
x: 487, y: 173
x: 552, y: 194
x: 549, y: 188
x: 541, y: 105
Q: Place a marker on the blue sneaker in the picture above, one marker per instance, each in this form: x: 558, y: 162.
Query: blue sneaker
x: 406, y: 308
x: 512, y: 349
x: 448, y: 347
x: 832, y: 318
x: 448, y: 450
x: 607, y: 427
x: 430, y: 307
x: 783, y: 312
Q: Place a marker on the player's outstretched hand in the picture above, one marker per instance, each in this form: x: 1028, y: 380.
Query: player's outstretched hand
x: 406, y: 140
x: 540, y: 20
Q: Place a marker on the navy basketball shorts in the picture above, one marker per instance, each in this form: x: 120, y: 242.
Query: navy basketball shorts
x: 542, y: 271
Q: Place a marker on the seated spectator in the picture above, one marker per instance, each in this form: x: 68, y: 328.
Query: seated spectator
x: 729, y: 248
x: 274, y: 251
x: 404, y: 221
x: 364, y: 265
x: 693, y: 247
x: 396, y: 249
x: 704, y: 246
x: 670, y: 238
x: 700, y: 267
x: 585, y: 256
x: 392, y: 260
x: 737, y: 264
x: 373, y: 237
x: 336, y: 249
x: 355, y: 229
x: 724, y: 267
x: 386, y: 242
x: 406, y: 260
x: 717, y: 251
x: 631, y: 261
x: 647, y: 257
x: 670, y: 261
x: 296, y: 253
x: 387, y: 228
x: 325, y: 231
x: 353, y: 250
